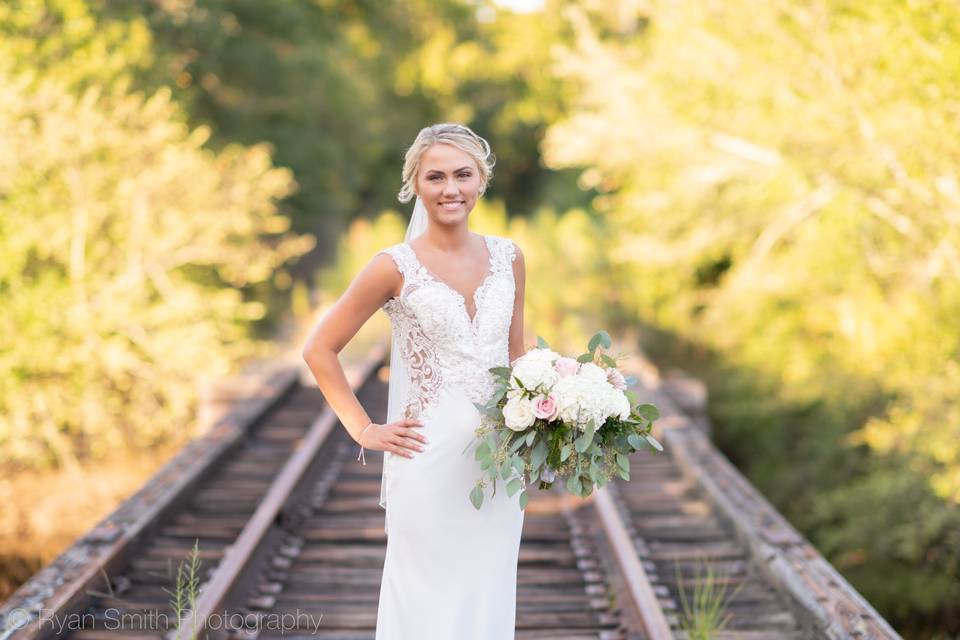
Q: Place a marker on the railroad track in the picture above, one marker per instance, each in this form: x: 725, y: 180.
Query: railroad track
x: 290, y: 542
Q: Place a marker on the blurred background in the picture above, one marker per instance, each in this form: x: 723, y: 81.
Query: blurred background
x: 765, y: 194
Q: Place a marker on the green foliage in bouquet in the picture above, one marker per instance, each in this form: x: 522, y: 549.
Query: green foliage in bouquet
x: 547, y: 451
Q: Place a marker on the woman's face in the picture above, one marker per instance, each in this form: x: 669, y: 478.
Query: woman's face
x: 448, y: 175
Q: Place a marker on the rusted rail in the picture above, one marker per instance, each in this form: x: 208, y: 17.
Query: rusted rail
x: 291, y: 541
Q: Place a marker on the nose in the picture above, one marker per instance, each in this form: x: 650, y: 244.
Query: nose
x: 450, y: 188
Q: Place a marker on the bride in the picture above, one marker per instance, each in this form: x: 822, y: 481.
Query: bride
x: 455, y: 301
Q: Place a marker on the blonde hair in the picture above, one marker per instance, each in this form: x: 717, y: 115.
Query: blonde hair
x: 457, y: 135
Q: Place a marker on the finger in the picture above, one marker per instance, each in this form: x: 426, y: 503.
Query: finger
x: 410, y: 443
x: 402, y: 452
x: 413, y: 434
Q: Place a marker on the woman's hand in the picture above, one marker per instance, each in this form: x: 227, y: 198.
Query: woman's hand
x: 396, y: 437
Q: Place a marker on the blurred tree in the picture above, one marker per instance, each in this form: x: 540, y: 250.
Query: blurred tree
x: 781, y: 184
x: 125, y: 248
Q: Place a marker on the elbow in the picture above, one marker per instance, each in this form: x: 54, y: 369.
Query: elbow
x: 313, y: 352
x: 309, y: 352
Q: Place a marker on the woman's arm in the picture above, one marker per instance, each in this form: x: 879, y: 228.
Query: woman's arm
x: 517, y: 348
x: 371, y: 288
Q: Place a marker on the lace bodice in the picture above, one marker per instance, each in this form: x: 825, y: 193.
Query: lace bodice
x: 440, y: 344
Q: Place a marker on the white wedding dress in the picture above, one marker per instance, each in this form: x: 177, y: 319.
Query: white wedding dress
x: 450, y: 571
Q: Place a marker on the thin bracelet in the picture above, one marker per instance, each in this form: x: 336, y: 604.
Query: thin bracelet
x: 361, y: 456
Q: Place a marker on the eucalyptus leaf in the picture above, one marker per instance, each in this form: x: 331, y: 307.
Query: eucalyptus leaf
x: 605, y: 338
x: 538, y: 455
x: 653, y: 442
x: 585, y: 357
x: 482, y: 452
x: 519, y: 464
x: 523, y: 500
x: 476, y: 496
x: 531, y: 436
x: 648, y: 411
x: 635, y: 441
x: 587, y: 488
x: 513, y: 486
x: 583, y: 441
x: 594, y: 342
x: 608, y: 360
x: 574, y: 485
x: 565, y: 451
x: 541, y: 343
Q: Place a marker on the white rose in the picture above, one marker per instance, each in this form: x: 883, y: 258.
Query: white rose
x: 518, y: 414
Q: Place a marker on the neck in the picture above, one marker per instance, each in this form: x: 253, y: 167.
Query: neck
x: 447, y: 239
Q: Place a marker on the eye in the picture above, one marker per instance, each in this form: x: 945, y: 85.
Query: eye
x: 434, y: 177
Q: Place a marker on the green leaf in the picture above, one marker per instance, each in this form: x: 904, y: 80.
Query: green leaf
x: 607, y: 359
x: 517, y: 444
x: 594, y: 342
x: 523, y: 500
x: 623, y: 461
x: 586, y: 488
x: 476, y: 496
x: 623, y: 474
x: 534, y: 474
x: 541, y: 343
x: 482, y: 452
x: 531, y: 436
x: 585, y: 357
x: 513, y: 486
x: 503, y: 372
x: 584, y: 440
x: 505, y: 469
x: 574, y: 485
x: 565, y: 452
x: 653, y: 442
x: 648, y: 411
x: 519, y: 464
x: 538, y: 455
x: 635, y: 441
x: 605, y: 338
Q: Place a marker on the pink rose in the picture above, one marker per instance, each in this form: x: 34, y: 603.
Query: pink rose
x: 547, y: 408
x: 615, y: 378
x: 566, y: 367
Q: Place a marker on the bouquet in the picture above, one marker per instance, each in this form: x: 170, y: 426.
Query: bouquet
x: 554, y: 418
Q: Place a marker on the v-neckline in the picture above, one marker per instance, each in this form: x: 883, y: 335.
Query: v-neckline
x: 463, y: 301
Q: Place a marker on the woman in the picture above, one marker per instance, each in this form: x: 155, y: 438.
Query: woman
x: 455, y: 301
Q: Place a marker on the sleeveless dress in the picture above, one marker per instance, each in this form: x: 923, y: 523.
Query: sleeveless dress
x: 450, y: 570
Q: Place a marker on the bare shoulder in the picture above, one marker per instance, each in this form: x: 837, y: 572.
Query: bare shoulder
x: 382, y: 275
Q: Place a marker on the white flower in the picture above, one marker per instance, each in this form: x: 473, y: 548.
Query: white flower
x: 518, y: 414
x: 617, y: 404
x: 535, y: 369
x: 592, y: 372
